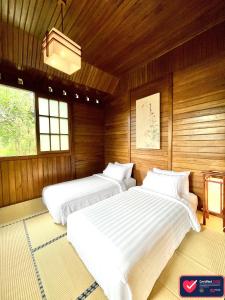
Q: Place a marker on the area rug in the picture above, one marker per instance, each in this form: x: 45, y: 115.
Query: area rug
x: 37, y: 262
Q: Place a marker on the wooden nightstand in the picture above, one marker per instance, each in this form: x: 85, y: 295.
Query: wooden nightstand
x: 214, y: 177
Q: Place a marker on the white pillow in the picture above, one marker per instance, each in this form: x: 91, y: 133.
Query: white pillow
x: 114, y: 171
x: 129, y: 167
x: 185, y: 178
x: 163, y: 184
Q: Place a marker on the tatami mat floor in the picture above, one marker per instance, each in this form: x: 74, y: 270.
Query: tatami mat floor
x: 37, y: 262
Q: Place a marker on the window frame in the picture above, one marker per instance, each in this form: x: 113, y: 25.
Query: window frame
x: 59, y: 99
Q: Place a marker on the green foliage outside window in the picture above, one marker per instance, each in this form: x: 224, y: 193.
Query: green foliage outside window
x: 17, y: 122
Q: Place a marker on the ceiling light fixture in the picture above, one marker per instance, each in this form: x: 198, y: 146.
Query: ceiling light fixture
x: 50, y: 89
x: 20, y: 81
x: 59, y: 51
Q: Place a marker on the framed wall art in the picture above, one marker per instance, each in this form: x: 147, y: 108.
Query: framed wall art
x: 148, y: 122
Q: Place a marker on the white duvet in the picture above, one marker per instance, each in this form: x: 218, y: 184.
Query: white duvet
x: 64, y: 198
x: 126, y: 241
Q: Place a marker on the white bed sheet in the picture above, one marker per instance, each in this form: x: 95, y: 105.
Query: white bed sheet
x: 64, y: 198
x: 126, y: 250
x: 193, y: 201
x: 129, y: 182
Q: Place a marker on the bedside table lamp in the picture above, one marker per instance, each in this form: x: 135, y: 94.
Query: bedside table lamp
x: 214, y: 200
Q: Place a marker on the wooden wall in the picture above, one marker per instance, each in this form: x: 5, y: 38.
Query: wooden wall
x: 88, y: 139
x: 199, y: 120
x: 24, y: 178
x: 193, y: 135
x: 117, y: 122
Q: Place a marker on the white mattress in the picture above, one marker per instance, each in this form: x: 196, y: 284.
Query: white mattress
x: 127, y: 240
x: 64, y: 198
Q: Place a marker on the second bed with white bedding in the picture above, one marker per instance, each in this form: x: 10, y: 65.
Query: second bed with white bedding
x: 126, y: 240
x: 64, y: 198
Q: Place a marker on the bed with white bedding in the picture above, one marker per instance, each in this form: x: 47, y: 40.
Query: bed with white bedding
x: 64, y: 198
x: 126, y: 241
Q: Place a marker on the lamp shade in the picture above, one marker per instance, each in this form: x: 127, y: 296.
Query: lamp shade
x: 60, y: 52
x: 215, y: 194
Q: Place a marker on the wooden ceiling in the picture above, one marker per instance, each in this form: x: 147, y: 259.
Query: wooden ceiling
x: 23, y: 50
x: 115, y: 35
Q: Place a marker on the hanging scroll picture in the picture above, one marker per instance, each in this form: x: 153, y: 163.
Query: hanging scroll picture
x: 148, y: 122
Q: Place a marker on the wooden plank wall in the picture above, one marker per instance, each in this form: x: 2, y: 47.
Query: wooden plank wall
x: 199, y: 120
x: 23, y: 179
x: 198, y: 105
x: 117, y: 122
x: 88, y: 139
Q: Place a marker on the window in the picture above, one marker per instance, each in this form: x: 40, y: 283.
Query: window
x: 53, y: 125
x: 17, y: 122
